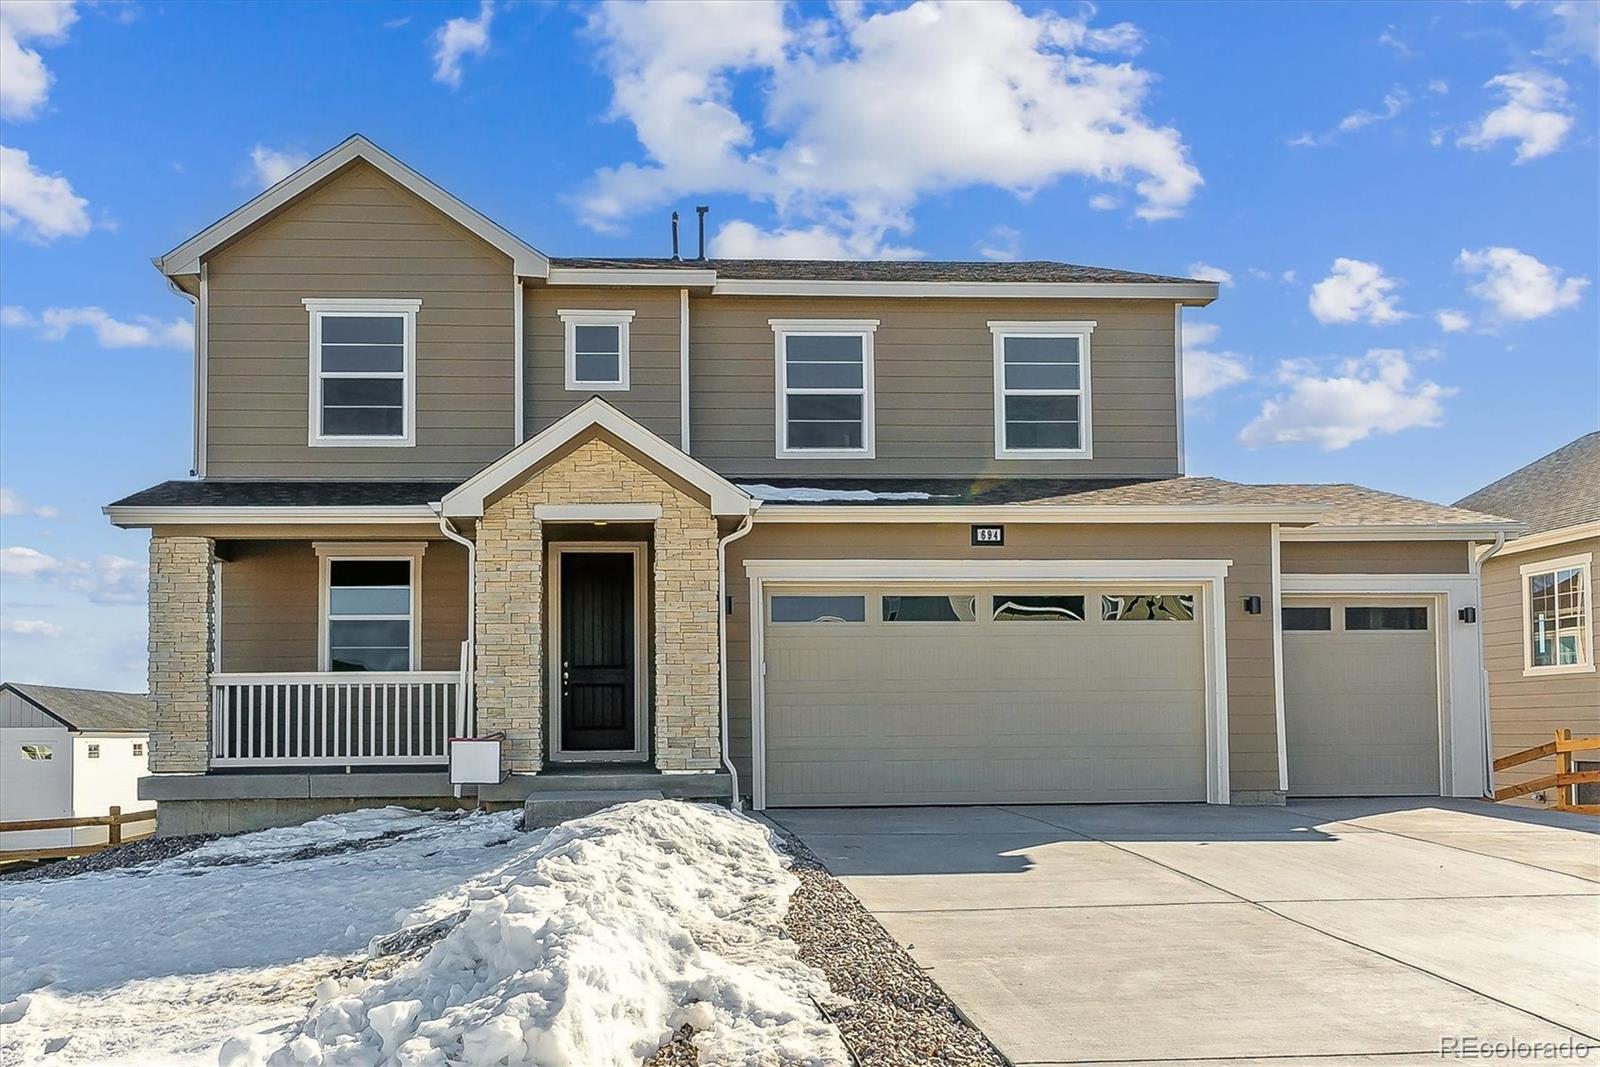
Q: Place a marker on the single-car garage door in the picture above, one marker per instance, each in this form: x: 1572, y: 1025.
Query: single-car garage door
x: 983, y: 694
x: 1361, y: 697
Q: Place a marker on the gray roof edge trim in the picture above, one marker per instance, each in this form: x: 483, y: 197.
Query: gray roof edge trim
x: 185, y: 258
x: 138, y: 515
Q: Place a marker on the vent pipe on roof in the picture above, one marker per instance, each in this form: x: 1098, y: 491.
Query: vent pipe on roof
x: 675, y: 256
x: 701, y: 210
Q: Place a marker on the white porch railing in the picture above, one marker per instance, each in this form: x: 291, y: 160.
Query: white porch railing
x: 335, y: 719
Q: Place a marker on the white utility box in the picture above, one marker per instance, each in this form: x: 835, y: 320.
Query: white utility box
x: 475, y: 760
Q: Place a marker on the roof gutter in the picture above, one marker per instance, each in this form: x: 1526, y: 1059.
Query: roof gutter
x: 1025, y: 513
x: 134, y: 516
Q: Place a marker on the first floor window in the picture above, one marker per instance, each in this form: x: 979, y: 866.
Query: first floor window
x: 824, y: 387
x: 597, y: 349
x: 1556, y: 599
x: 369, y: 625
x: 1041, y: 389
x: 363, y: 359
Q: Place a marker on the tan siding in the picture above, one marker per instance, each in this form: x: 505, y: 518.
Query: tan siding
x: 653, y: 355
x: 1252, y: 716
x: 358, y: 235
x: 1375, y: 557
x: 1526, y: 711
x: 270, y: 597
x: 934, y: 375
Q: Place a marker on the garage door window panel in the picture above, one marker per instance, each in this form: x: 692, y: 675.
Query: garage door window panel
x: 1147, y: 607
x: 1019, y: 607
x: 803, y: 609
x: 1379, y: 617
x: 1308, y: 620
x: 929, y: 608
x: 1556, y: 610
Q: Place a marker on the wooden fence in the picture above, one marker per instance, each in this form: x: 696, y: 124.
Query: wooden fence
x: 1565, y: 781
x: 114, y: 822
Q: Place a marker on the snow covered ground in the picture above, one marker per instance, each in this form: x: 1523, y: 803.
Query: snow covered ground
x: 420, y: 940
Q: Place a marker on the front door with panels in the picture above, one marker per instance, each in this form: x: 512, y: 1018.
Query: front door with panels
x: 1361, y: 697
x: 598, y: 678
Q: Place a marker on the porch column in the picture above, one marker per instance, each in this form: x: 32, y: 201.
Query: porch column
x: 508, y: 679
x: 181, y: 620
x: 687, y: 712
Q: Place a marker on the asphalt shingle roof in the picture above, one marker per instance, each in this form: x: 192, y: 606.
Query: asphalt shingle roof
x: 882, y: 270
x: 90, y: 709
x: 295, y: 494
x: 1553, y: 492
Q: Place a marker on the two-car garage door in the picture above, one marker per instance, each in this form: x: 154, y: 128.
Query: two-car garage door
x: 983, y: 694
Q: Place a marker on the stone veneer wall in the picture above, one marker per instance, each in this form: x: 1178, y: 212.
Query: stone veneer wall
x: 510, y: 612
x: 180, y: 654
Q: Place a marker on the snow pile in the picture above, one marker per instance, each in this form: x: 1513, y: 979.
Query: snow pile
x: 774, y: 494
x: 330, y: 831
x: 590, y: 948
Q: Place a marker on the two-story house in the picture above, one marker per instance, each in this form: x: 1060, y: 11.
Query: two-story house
x: 823, y: 533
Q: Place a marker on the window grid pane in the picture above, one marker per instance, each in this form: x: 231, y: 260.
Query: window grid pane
x: 369, y: 615
x: 361, y: 375
x: 1041, y: 392
x: 824, y: 379
x: 1558, y: 632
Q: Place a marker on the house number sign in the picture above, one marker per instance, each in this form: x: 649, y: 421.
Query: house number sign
x: 988, y: 535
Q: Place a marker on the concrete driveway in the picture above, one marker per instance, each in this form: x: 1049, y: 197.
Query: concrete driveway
x: 1181, y: 934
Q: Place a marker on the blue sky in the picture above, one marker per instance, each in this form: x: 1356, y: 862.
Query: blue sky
x: 1403, y: 198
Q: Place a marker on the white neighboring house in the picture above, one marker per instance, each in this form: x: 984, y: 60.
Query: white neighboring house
x: 69, y: 753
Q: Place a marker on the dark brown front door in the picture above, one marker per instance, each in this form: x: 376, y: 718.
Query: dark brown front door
x: 597, y: 652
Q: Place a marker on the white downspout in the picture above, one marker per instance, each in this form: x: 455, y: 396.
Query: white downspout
x: 1483, y: 668
x: 468, y: 697
x: 722, y: 644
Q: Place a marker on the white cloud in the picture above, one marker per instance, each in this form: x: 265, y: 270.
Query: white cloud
x: 1205, y: 371
x: 745, y: 240
x: 461, y: 37
x: 1395, y: 101
x: 1575, y: 30
x: 1374, y: 394
x: 13, y: 504
x: 1535, y: 115
x: 269, y: 166
x: 1104, y: 202
x: 1208, y: 273
x: 1356, y: 291
x: 104, y: 579
x: 32, y: 628
x: 145, y: 331
x: 1001, y: 242
x: 1517, y: 286
x: 1452, y: 321
x: 24, y: 79
x: 1438, y: 86
x: 38, y: 207
x: 859, y: 115
x: 1391, y: 39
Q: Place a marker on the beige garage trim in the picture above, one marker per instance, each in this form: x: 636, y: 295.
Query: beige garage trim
x: 1361, y: 707
x: 873, y: 712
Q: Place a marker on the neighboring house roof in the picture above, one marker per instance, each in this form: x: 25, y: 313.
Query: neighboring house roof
x: 527, y: 261
x: 1553, y: 492
x: 883, y: 270
x: 88, y: 710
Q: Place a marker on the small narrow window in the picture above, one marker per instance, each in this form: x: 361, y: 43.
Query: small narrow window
x: 597, y: 350
x: 819, y: 609
x: 1557, y: 607
x: 824, y: 388
x: 138, y: 748
x: 38, y: 752
x: 1147, y: 607
x: 1385, y: 618
x: 363, y: 359
x: 930, y: 608
x: 1308, y: 618
x: 1017, y: 607
x: 94, y: 751
x: 369, y: 614
x: 1041, y: 389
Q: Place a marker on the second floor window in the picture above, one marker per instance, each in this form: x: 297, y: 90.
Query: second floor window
x: 363, y: 376
x: 1041, y: 390
x: 825, y: 389
x: 597, y: 349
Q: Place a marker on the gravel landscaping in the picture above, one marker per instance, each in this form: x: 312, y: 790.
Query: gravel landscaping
x: 898, y: 1016
x: 133, y: 854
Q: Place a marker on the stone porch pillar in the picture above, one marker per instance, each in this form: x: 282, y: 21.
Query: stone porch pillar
x: 181, y: 620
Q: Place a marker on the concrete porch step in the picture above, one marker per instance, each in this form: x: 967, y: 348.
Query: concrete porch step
x: 551, y: 807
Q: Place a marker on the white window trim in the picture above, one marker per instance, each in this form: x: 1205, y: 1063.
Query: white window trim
x: 1584, y: 563
x: 1079, y: 330
x: 862, y: 328
x: 329, y: 552
x: 317, y: 308
x: 572, y: 319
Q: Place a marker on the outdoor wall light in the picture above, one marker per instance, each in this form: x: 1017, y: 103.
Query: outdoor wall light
x: 1467, y: 614
x: 1252, y: 605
